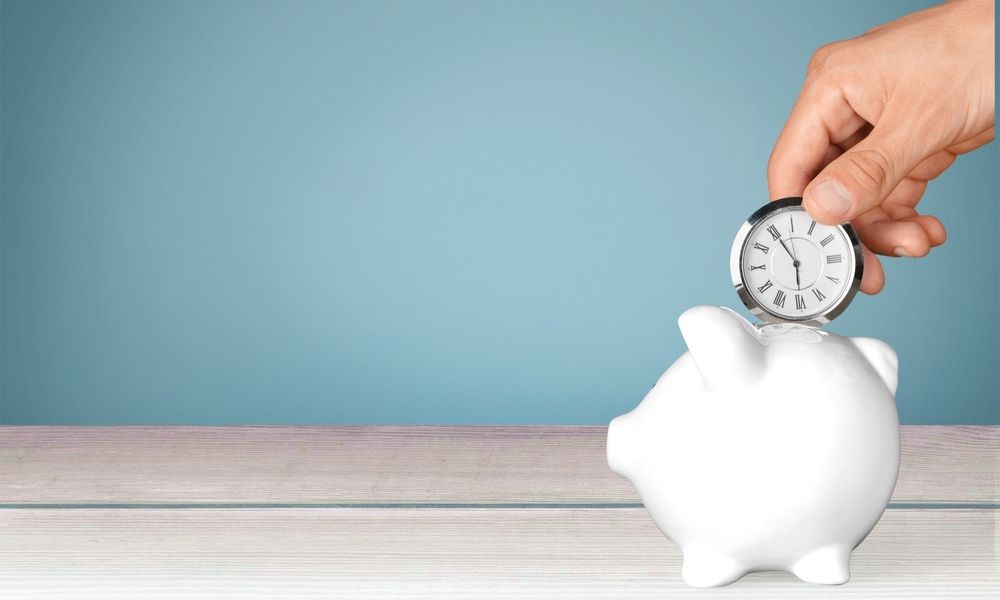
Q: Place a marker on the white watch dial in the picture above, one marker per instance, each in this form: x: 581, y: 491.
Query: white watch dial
x: 796, y: 269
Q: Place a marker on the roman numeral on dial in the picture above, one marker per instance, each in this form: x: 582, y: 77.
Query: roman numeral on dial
x: 833, y: 279
x: 800, y: 302
x: 819, y: 294
x: 765, y: 287
x: 826, y: 240
x: 832, y: 258
x: 811, y: 227
x: 761, y: 247
x: 755, y: 267
x: 779, y: 299
x: 775, y: 234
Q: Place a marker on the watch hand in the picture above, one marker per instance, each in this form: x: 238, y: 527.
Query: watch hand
x: 796, y: 264
x: 783, y: 245
x: 795, y: 261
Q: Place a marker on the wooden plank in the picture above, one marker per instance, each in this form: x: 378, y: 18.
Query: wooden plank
x: 95, y: 465
x: 399, y: 553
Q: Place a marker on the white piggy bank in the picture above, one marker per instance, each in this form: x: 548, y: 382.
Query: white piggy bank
x: 764, y: 447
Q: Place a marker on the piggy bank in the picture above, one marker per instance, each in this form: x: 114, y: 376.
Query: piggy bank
x: 770, y: 447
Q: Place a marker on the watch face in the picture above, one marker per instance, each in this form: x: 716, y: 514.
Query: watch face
x: 788, y: 267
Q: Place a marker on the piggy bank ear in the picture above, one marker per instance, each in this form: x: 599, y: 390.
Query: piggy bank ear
x: 882, y: 358
x: 723, y: 345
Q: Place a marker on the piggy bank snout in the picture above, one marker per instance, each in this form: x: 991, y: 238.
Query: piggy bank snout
x: 622, y: 445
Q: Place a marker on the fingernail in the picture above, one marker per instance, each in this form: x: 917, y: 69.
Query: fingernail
x: 901, y: 251
x: 833, y: 197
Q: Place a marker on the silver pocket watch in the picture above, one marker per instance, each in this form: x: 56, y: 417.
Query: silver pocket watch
x: 788, y: 268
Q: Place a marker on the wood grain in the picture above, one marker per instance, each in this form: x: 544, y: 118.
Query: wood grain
x: 362, y: 465
x: 486, y: 553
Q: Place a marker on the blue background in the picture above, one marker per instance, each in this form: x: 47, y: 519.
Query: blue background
x: 419, y: 212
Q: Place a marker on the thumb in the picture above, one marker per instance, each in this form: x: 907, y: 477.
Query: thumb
x: 859, y: 179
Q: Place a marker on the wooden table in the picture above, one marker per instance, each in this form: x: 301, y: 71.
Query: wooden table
x: 378, y: 512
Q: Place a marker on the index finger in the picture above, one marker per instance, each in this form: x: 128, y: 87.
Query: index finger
x: 820, y: 119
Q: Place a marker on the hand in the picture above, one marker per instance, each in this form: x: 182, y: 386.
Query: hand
x: 882, y: 114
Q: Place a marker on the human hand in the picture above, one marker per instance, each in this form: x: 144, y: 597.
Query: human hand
x: 882, y: 114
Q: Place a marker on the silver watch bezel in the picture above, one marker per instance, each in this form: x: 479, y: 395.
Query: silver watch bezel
x: 736, y: 259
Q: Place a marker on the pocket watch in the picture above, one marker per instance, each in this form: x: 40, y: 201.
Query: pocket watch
x: 787, y: 268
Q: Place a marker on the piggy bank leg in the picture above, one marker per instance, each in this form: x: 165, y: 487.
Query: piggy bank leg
x: 827, y: 565
x: 704, y: 567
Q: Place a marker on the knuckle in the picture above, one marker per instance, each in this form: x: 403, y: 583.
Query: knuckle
x: 872, y: 166
x: 777, y: 164
x: 772, y: 167
x: 823, y: 58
